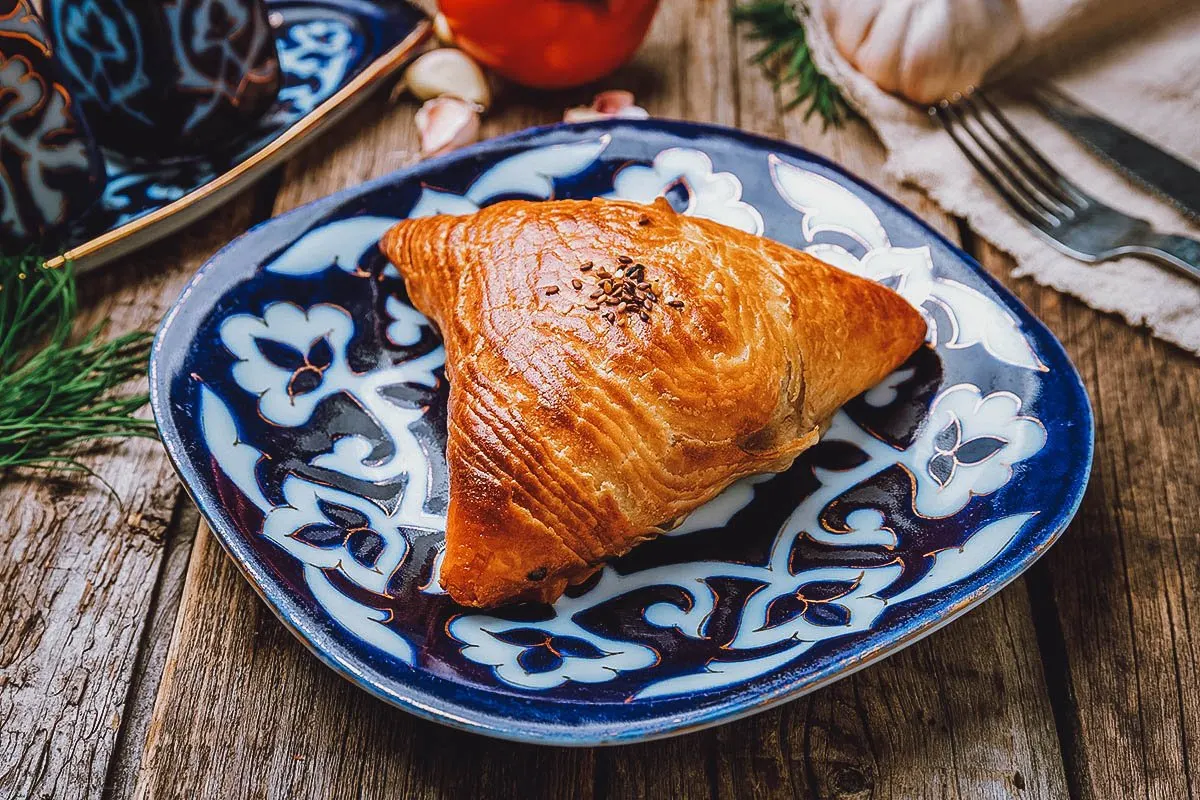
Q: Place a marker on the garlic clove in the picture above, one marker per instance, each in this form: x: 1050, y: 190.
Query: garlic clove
x: 607, y: 105
x: 583, y: 114
x: 445, y: 124
x: 441, y: 29
x: 612, y: 101
x: 448, y: 72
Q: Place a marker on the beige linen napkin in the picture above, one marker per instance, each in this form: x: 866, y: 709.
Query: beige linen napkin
x: 1146, y: 80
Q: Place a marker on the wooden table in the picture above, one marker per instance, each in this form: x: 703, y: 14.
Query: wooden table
x: 136, y: 661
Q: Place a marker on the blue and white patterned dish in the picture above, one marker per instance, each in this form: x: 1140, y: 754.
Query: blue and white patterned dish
x: 331, y: 53
x: 303, y: 403
x: 51, y: 170
x: 159, y: 76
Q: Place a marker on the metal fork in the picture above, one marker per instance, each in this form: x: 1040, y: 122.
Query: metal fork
x: 1072, y: 220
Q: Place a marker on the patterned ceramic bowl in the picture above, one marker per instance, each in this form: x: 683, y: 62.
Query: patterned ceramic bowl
x: 50, y: 169
x: 167, y: 77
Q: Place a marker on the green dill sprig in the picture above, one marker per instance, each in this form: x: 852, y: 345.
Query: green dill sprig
x: 59, y: 392
x: 787, y: 59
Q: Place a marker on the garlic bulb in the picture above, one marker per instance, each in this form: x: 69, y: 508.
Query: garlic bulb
x: 447, y: 123
x: 924, y: 50
x: 448, y: 72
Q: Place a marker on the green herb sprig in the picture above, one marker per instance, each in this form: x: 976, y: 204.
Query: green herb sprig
x: 787, y: 59
x: 58, y: 391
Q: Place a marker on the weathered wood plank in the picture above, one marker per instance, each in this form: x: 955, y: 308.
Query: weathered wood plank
x: 78, y: 569
x: 1123, y: 584
x: 152, y: 654
x: 683, y: 70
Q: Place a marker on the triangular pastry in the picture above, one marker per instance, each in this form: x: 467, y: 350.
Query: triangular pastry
x: 613, y: 366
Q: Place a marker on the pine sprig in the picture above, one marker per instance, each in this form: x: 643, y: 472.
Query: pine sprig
x: 786, y: 58
x: 57, y: 391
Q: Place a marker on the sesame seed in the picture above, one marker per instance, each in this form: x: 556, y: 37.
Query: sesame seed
x: 622, y: 308
x: 551, y: 290
x: 578, y: 284
x: 645, y: 317
x: 595, y: 295
x: 675, y: 303
x: 624, y: 259
x: 603, y: 273
x: 591, y: 306
x: 585, y: 266
x: 610, y: 316
x: 643, y: 286
x: 611, y: 301
x: 621, y: 272
x: 643, y: 220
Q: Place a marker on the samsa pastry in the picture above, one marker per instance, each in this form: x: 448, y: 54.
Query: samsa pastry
x: 614, y: 366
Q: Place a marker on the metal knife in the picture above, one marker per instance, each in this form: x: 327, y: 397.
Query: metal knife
x: 1157, y: 170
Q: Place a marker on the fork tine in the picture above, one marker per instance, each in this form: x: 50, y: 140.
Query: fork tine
x: 1017, y: 157
x: 996, y: 175
x: 1005, y: 159
x: 1067, y: 190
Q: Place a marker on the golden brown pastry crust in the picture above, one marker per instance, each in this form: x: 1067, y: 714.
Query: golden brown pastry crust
x: 572, y: 438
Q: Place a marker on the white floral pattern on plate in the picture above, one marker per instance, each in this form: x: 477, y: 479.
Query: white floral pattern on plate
x: 315, y: 57
x: 974, y: 318
x: 712, y: 195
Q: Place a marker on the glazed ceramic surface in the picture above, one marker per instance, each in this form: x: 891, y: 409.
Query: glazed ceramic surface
x: 331, y: 52
x: 303, y: 401
x: 50, y: 168
x: 169, y: 76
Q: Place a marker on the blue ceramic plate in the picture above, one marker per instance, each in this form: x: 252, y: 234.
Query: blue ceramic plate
x: 304, y: 403
x: 331, y: 51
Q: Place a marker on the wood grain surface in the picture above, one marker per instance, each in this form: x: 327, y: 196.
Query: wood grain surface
x: 135, y: 661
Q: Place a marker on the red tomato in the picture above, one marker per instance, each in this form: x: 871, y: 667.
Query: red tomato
x: 550, y: 44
